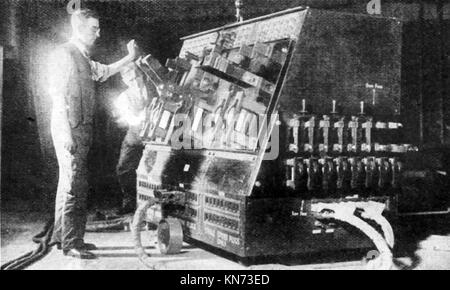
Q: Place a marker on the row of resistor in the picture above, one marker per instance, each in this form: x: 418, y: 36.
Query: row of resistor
x: 342, y: 176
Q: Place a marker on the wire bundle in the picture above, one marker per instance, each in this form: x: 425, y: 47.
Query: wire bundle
x: 345, y: 212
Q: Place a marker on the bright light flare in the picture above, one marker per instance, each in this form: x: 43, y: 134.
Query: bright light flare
x: 125, y: 112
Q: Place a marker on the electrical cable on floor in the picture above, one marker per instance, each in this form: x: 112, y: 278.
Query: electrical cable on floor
x: 373, y: 211
x: 43, y: 238
x: 108, y: 223
x: 42, y: 249
x: 345, y: 212
x: 167, y: 226
x: 136, y: 224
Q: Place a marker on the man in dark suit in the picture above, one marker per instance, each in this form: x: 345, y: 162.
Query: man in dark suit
x: 72, y: 88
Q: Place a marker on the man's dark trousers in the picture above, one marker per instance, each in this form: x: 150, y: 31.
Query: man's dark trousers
x: 130, y: 156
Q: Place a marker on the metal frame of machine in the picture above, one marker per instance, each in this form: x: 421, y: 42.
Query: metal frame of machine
x: 326, y: 85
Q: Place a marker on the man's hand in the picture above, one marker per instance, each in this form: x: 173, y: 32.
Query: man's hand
x: 70, y: 145
x: 133, y: 53
x: 132, y: 49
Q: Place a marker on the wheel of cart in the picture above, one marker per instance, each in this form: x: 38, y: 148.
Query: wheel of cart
x: 170, y: 236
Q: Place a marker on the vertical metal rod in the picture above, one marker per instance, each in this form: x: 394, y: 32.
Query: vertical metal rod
x: 421, y: 86
x: 1, y: 105
x: 440, y: 13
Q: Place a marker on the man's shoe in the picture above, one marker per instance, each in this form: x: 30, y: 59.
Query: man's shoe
x: 89, y: 247
x: 79, y: 254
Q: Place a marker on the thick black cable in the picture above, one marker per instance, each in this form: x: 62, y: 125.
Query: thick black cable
x: 43, y: 240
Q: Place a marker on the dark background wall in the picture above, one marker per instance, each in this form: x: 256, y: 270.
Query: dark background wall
x: 31, y: 29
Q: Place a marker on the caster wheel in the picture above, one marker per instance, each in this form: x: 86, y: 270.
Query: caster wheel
x: 170, y: 236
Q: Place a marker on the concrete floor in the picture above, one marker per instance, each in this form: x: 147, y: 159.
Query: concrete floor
x: 115, y: 252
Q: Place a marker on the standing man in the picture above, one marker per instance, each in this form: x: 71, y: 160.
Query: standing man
x: 132, y: 105
x: 72, y: 88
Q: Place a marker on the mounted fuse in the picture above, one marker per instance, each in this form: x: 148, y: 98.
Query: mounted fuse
x: 291, y: 173
x: 294, y: 125
x: 324, y: 126
x: 310, y: 129
x: 367, y: 144
x: 355, y: 138
x: 303, y: 135
x: 338, y: 135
